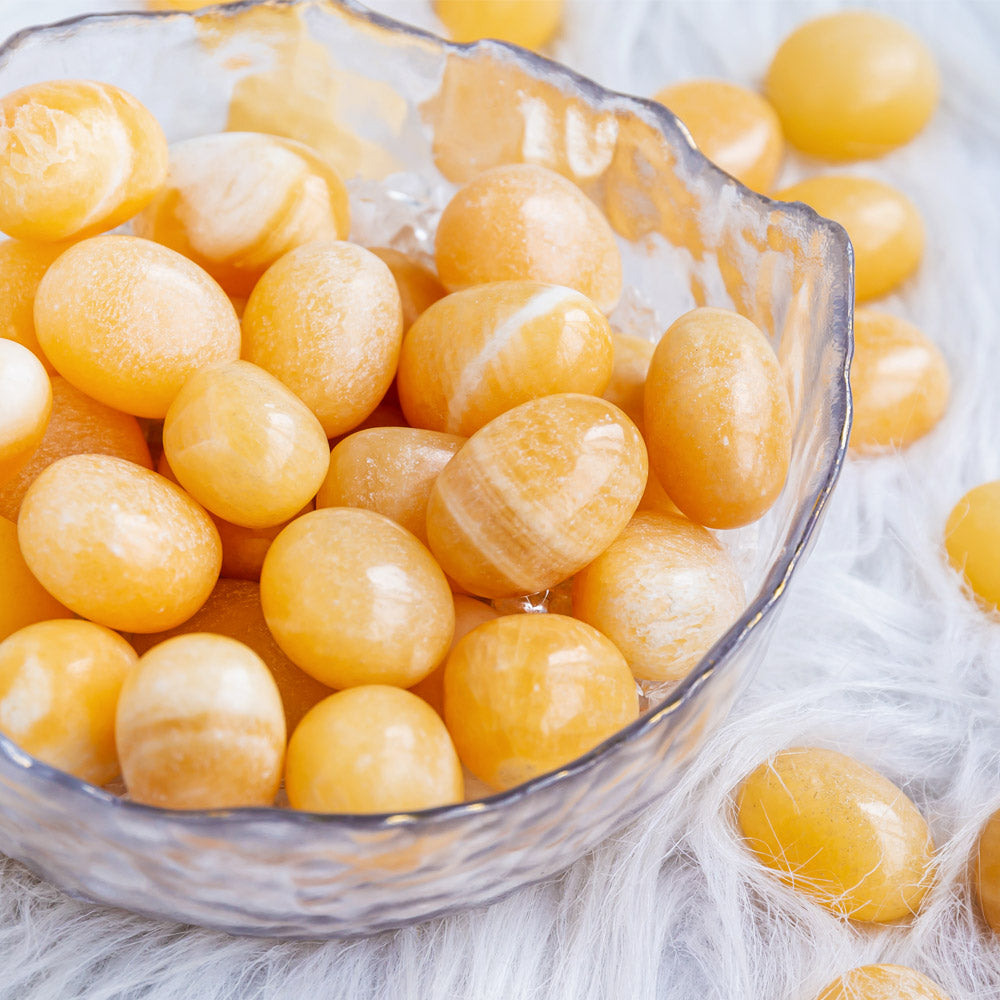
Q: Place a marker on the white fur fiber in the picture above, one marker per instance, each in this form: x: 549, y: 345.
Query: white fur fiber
x: 878, y: 654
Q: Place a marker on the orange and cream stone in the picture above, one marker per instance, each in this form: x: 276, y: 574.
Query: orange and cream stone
x: 25, y: 407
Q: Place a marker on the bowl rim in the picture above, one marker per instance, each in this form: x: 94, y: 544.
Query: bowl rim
x: 774, y: 584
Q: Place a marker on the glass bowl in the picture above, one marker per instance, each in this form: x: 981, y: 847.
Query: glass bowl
x: 409, y: 117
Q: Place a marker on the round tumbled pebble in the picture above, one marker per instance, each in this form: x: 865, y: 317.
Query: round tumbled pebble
x: 530, y: 23
x: 972, y: 541
x: 118, y: 544
x: 25, y: 407
x: 22, y: 267
x: 25, y: 600
x: 882, y: 982
x: 419, y: 287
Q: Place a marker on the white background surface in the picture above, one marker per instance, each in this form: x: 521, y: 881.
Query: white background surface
x: 878, y: 654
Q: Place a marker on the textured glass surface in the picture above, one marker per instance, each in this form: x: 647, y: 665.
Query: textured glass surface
x: 408, y: 117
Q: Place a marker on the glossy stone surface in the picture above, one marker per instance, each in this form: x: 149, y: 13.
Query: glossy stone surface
x: 480, y: 352
x: 373, y: 749
x: 986, y: 874
x: 59, y: 686
x: 530, y: 23
x: 76, y: 158
x: 127, y: 321
x: 200, y: 726
x: 25, y: 406
x: 523, y: 222
x: 536, y: 495
x: 326, y: 321
x: 419, y: 287
x: 390, y: 470
x: 78, y: 425
x: 663, y: 592
x: 899, y: 382
x: 233, y: 609
x: 235, y: 202
x: 22, y: 267
x: 244, y: 446
x: 525, y: 694
x: 839, y: 832
x: 852, y: 85
x: 733, y: 126
x: 718, y: 420
x: 883, y: 224
x: 972, y: 541
x: 882, y: 982
x: 630, y: 366
x: 25, y: 600
x: 352, y: 598
x: 118, y: 544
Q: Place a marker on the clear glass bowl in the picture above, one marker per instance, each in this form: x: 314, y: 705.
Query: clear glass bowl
x: 409, y: 117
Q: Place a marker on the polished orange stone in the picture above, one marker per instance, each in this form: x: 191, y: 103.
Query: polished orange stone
x: 526, y: 694
x: 76, y: 158
x: 22, y: 267
x: 233, y: 609
x: 852, y: 85
x: 839, y: 832
x: 235, y: 202
x: 118, y: 544
x: 733, y: 126
x: 899, y: 382
x: 884, y: 226
x: 127, y: 321
x: 536, y: 495
x: 25, y: 600
x: 718, y: 420
x: 326, y: 321
x: 373, y: 749
x: 530, y: 23
x: 882, y: 982
x: 200, y: 726
x: 59, y: 687
x: 986, y: 877
x: 25, y: 407
x: 630, y: 366
x: 480, y: 352
x: 78, y: 425
x: 389, y: 470
x: 419, y: 287
x: 352, y: 598
x: 523, y: 222
x: 663, y: 592
x: 244, y: 446
x: 972, y: 541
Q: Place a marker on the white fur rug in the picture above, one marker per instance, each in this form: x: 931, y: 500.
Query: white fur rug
x: 879, y: 654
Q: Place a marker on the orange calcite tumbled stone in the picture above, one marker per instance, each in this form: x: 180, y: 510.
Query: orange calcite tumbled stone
x: 59, y: 686
x: 244, y: 446
x: 663, y: 592
x: 884, y: 226
x: 530, y: 23
x: 25, y: 407
x: 78, y: 425
x: 419, y: 287
x: 627, y: 386
x: 233, y: 609
x: 734, y: 127
x: 352, y: 598
x: 469, y: 613
x: 536, y: 495
x: 127, y: 321
x: 482, y: 351
x: 326, y: 320
x: 118, y: 544
x: 839, y: 832
x: 373, y: 749
x: 76, y: 158
x: 200, y: 726
x: 24, y: 600
x: 389, y: 470
x: 986, y: 878
x: 523, y: 222
x: 22, y: 267
x: 235, y: 202
x: 718, y: 420
x: 525, y: 694
x: 852, y: 85
x: 899, y: 382
x: 972, y: 541
x: 882, y: 982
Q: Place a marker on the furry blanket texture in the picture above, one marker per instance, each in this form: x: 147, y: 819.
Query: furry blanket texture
x: 879, y: 653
